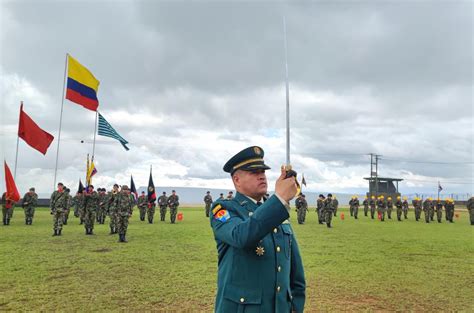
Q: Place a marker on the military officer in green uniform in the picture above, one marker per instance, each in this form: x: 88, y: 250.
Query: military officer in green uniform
x: 30, y: 199
x: 207, y: 202
x: 163, y: 203
x: 58, y: 204
x: 470, y: 208
x: 259, y: 264
x: 142, y: 204
x: 173, y: 203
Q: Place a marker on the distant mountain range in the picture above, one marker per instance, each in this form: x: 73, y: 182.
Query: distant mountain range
x: 194, y: 196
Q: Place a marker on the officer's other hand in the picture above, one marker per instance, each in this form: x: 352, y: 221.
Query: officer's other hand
x: 285, y: 187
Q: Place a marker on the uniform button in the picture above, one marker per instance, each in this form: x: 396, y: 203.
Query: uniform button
x: 278, y: 249
x: 278, y: 289
x: 279, y: 268
x: 242, y: 300
x: 275, y: 230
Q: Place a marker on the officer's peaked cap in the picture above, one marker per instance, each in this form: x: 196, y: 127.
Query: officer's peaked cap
x: 249, y: 159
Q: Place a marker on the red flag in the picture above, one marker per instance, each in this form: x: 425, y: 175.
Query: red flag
x: 32, y: 134
x: 12, y: 191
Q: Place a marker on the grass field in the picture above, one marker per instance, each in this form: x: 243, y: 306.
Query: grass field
x: 359, y: 265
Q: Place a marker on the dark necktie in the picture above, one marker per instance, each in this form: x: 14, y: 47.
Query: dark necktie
x: 259, y: 203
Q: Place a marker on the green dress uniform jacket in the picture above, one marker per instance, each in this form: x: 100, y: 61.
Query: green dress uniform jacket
x: 259, y: 263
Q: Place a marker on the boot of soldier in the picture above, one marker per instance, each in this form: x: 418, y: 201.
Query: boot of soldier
x: 111, y: 230
x: 328, y: 225
x: 59, y: 232
x: 87, y: 231
x: 8, y: 221
x: 26, y: 221
x: 4, y: 221
x: 55, y: 233
x: 65, y: 221
x: 123, y: 238
x: 120, y: 238
x: 91, y: 231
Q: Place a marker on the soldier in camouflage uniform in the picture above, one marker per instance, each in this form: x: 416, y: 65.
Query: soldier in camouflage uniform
x: 405, y: 207
x: 102, y: 207
x: 389, y: 207
x: 173, y: 203
x: 381, y: 207
x: 207, y: 202
x: 417, y: 208
x: 7, y: 209
x: 301, y: 208
x: 163, y: 203
x: 355, y: 207
x: 439, y: 210
x: 365, y: 203
x: 68, y: 205
x: 427, y: 209
x: 399, y: 206
x: 30, y: 199
x: 151, y: 205
x: 470, y: 208
x: 351, y: 208
x: 319, y: 208
x: 328, y: 210
x: 91, y: 203
x: 77, y: 202
x: 372, y: 204
x: 449, y: 208
x: 335, y: 205
x: 142, y: 205
x: 58, y: 205
x: 112, y: 208
x: 124, y: 203
x: 432, y: 210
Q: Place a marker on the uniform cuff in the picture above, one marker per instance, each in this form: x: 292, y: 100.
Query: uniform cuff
x: 287, y: 206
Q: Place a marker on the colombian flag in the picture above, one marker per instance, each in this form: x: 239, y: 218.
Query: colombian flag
x: 82, y: 86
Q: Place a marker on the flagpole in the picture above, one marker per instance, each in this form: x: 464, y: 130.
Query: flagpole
x: 60, y: 122
x: 287, y: 98
x: 95, y: 132
x: 17, y: 142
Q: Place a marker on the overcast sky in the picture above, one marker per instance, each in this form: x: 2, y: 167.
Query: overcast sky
x: 189, y: 84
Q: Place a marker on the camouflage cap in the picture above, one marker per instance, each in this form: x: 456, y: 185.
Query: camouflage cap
x: 124, y: 187
x: 249, y: 159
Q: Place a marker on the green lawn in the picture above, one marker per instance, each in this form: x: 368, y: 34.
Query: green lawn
x: 359, y: 265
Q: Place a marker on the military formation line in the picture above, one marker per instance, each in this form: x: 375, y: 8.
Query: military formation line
x: 92, y: 207
x: 326, y: 208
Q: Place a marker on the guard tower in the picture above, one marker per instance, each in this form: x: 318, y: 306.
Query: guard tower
x: 378, y: 186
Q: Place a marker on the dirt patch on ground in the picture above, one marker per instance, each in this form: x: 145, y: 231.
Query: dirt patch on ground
x: 102, y: 250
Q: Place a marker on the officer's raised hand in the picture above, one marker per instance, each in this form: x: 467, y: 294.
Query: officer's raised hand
x: 285, y: 187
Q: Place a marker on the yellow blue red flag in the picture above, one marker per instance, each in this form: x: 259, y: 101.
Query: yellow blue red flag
x: 82, y: 86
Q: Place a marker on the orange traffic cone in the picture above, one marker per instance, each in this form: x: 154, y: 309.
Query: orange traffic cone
x: 342, y: 216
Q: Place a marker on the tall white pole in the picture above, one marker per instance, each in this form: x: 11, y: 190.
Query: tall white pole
x: 60, y: 122
x: 287, y: 98
x: 95, y: 132
x: 17, y: 142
